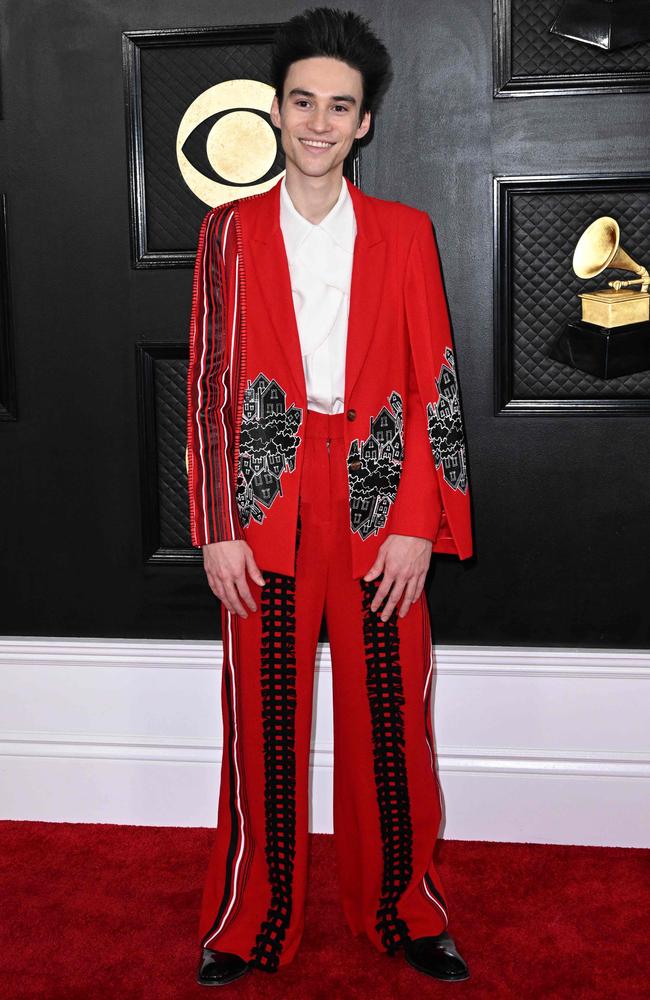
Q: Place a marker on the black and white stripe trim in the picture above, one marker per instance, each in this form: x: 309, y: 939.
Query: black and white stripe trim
x: 428, y: 887
x: 240, y: 845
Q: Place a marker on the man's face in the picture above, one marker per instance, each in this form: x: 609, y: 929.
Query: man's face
x: 321, y: 104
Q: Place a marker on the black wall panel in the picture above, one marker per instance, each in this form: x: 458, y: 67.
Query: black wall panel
x: 560, y: 500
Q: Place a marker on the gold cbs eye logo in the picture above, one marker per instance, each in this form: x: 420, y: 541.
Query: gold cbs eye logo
x: 227, y: 131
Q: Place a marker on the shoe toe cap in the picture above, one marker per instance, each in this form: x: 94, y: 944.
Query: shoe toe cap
x: 220, y: 966
x: 438, y: 954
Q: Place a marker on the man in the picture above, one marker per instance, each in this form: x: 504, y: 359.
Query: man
x: 326, y: 460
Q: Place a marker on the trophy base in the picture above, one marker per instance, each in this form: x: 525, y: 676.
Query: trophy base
x: 607, y: 353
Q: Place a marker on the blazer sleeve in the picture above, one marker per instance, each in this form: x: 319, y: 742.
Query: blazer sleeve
x: 437, y: 421
x: 210, y: 423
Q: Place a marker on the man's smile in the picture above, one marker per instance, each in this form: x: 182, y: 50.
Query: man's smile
x: 316, y: 143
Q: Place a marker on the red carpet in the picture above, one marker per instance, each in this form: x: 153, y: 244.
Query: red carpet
x: 101, y: 911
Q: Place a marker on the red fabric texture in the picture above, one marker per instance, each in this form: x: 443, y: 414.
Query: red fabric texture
x: 101, y: 910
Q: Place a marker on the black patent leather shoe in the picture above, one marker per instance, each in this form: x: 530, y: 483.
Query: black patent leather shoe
x: 217, y: 968
x: 437, y: 956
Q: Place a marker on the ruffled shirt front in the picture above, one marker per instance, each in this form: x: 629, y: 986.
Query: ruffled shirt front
x: 320, y: 266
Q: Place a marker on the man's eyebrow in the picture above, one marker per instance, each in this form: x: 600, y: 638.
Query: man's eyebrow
x: 336, y: 97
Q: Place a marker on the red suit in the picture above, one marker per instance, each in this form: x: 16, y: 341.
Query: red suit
x: 314, y: 495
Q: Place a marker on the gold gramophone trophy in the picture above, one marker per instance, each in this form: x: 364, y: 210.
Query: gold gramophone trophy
x: 612, y: 338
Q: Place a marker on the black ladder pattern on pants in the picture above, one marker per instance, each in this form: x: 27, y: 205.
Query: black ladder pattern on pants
x: 278, y: 678
x: 386, y: 697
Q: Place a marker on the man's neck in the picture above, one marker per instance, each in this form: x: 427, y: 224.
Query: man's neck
x: 313, y: 197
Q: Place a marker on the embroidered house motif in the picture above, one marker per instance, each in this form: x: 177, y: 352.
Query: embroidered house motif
x: 267, y: 447
x: 374, y: 469
x: 445, y: 427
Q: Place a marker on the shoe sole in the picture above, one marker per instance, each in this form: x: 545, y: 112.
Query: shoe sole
x: 446, y: 979
x: 224, y: 982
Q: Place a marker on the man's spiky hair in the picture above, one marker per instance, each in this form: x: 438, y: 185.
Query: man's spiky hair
x: 340, y: 34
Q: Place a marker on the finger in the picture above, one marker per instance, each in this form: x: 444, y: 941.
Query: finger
x: 393, y: 598
x: 381, y: 592
x: 233, y: 597
x: 376, y: 567
x: 244, y: 591
x: 389, y: 578
x: 254, y: 569
x: 219, y: 591
x: 409, y: 596
x: 223, y: 598
x: 215, y: 585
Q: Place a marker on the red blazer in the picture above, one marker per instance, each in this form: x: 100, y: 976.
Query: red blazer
x: 405, y: 448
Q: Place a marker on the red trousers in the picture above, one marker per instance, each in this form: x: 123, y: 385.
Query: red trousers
x: 387, y: 807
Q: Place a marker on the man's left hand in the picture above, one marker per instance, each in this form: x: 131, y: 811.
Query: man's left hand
x: 404, y: 561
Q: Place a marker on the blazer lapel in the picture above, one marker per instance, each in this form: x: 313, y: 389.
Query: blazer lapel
x: 272, y: 274
x: 366, y: 285
x: 271, y: 269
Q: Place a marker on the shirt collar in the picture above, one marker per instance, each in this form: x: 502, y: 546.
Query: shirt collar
x: 339, y: 223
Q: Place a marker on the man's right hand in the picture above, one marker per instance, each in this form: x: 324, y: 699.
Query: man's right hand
x: 225, y: 564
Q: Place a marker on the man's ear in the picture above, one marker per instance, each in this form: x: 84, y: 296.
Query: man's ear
x: 275, y: 111
x: 364, y: 126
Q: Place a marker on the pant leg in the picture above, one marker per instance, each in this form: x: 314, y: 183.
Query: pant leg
x: 254, y: 894
x: 387, y: 805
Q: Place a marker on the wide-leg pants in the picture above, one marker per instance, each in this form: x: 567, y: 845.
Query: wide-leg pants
x: 387, y: 806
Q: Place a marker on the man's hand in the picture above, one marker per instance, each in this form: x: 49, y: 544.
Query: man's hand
x: 404, y: 560
x: 225, y: 564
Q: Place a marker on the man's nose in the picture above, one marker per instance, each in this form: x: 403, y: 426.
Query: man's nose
x: 319, y: 120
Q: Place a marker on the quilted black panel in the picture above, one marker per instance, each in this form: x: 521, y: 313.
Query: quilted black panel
x: 538, y: 52
x: 172, y: 77
x: 545, y: 226
x: 170, y: 403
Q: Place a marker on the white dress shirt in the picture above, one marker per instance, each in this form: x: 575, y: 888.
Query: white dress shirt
x: 320, y: 265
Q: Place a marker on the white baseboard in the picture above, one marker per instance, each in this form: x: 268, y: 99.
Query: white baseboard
x: 537, y: 745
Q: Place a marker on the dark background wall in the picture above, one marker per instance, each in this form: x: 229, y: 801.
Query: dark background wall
x: 560, y: 502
